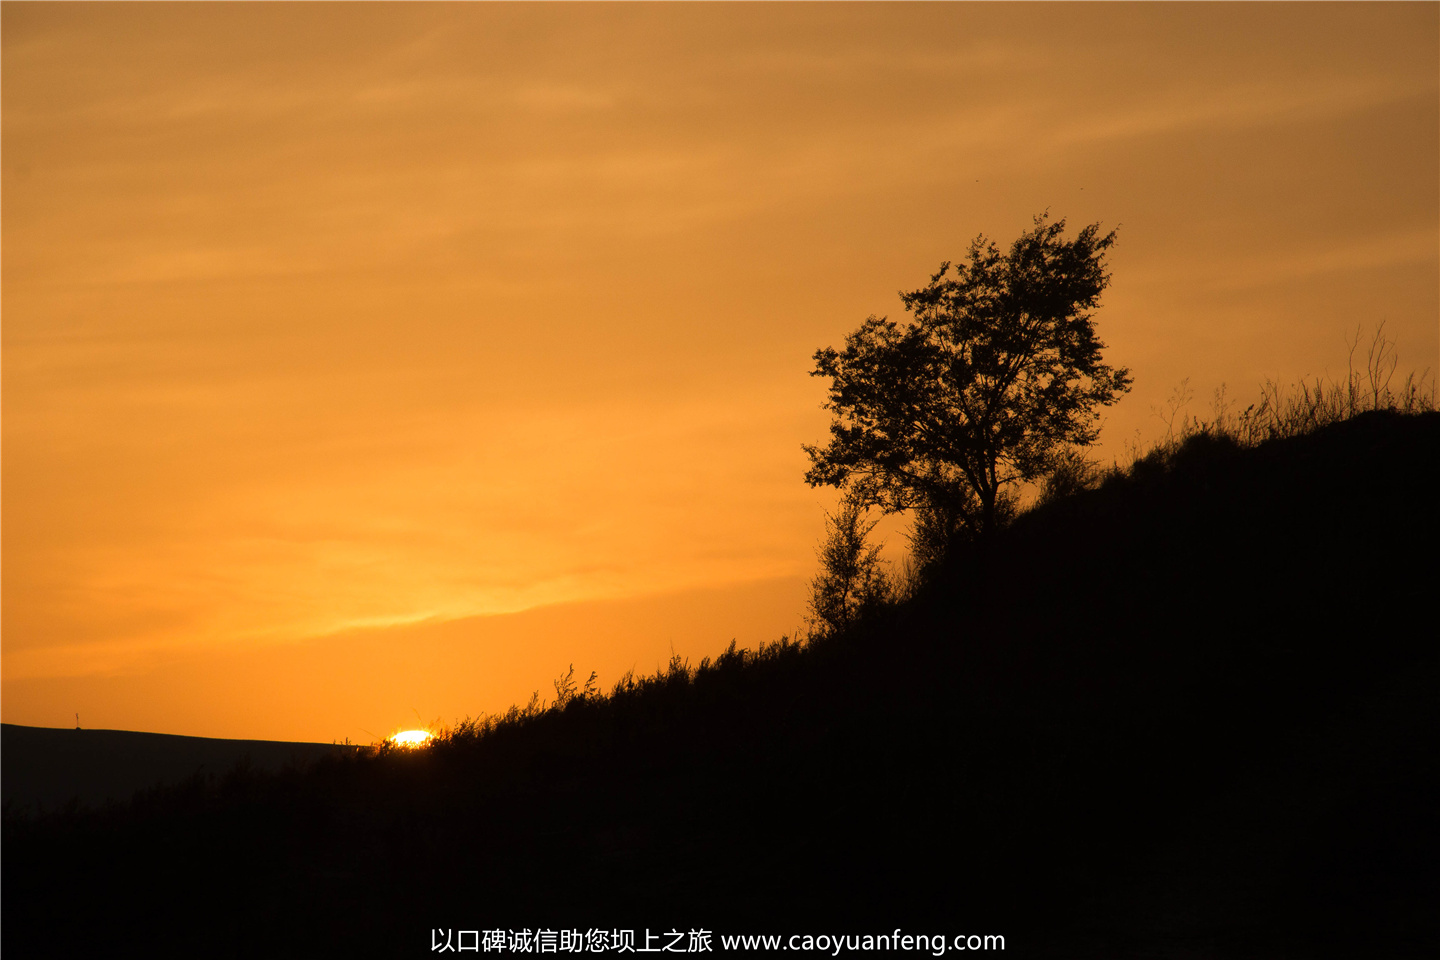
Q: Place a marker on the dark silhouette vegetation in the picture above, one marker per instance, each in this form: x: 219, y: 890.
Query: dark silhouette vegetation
x: 852, y: 581
x: 997, y: 373
x: 1185, y: 708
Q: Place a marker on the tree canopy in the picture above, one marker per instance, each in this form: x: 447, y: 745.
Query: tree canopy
x: 996, y: 374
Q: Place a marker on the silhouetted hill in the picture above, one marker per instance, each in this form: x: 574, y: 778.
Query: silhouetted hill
x: 1191, y: 713
x: 46, y: 767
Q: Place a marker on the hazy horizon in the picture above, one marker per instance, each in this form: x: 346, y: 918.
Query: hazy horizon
x: 367, y: 362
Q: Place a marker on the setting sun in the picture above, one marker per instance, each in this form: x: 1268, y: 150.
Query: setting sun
x: 412, y: 738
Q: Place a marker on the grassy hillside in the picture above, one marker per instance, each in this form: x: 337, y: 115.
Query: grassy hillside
x: 1189, y: 713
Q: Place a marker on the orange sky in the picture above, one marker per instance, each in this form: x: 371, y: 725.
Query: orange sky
x: 336, y: 336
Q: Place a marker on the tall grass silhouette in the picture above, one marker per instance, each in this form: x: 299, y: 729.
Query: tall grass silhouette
x: 1308, y: 405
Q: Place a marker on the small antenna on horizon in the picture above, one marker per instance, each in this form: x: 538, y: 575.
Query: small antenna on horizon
x: 77, y: 721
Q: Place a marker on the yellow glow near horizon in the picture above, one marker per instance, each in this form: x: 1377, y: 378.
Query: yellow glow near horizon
x: 412, y: 738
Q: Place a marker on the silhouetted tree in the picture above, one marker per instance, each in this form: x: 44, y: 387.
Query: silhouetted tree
x: 997, y: 373
x: 851, y: 579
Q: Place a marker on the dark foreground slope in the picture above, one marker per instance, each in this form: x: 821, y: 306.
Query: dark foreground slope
x: 1190, y: 714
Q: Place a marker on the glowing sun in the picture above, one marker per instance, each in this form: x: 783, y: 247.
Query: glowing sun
x: 411, y: 738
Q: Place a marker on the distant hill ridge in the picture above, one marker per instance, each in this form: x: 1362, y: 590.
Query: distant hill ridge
x: 45, y: 767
